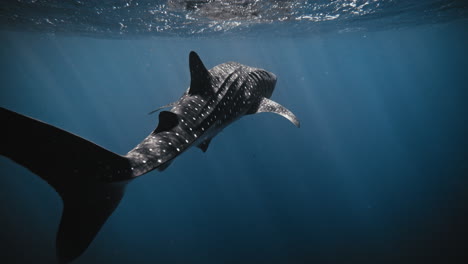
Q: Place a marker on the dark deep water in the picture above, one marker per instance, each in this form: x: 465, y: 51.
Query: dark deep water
x: 377, y: 173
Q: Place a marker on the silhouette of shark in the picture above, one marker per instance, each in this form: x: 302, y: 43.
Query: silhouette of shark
x: 91, y: 180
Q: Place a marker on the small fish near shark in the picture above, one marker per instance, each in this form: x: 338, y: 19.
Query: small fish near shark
x: 91, y: 180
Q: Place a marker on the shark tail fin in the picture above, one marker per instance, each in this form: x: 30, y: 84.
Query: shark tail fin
x: 89, y: 179
x: 85, y: 211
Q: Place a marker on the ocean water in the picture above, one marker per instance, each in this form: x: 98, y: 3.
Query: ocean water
x: 377, y: 173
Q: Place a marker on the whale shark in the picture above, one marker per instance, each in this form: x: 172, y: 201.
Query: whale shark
x: 91, y: 180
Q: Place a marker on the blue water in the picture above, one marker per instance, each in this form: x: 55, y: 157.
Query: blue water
x: 377, y: 173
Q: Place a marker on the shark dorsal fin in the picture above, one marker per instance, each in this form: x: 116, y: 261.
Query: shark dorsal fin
x: 167, y: 121
x: 200, y: 78
x: 267, y: 105
x: 204, y: 145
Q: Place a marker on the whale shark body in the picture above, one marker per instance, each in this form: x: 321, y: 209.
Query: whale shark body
x: 91, y: 180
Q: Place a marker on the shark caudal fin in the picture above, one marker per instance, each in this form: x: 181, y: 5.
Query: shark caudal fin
x: 85, y: 210
x: 88, y: 178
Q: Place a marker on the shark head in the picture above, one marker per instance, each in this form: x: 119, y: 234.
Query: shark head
x: 252, y: 80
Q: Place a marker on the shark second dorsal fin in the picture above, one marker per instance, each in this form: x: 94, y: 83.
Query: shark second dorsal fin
x: 267, y: 105
x: 167, y: 121
x: 164, y: 166
x: 200, y: 78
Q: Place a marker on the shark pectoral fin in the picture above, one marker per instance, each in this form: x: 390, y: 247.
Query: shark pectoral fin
x: 204, y: 145
x: 162, y: 107
x: 200, y: 78
x: 167, y: 121
x: 267, y: 105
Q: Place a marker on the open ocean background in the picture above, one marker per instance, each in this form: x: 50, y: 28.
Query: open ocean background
x: 377, y: 173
